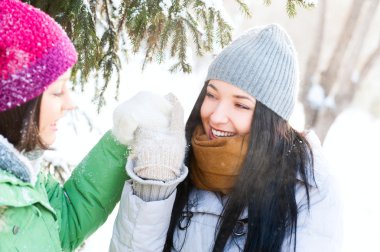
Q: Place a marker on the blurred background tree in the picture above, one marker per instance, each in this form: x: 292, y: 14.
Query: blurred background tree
x: 329, y: 89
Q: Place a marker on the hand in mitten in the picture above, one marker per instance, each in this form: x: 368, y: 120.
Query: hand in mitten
x: 145, y: 109
x: 159, y: 151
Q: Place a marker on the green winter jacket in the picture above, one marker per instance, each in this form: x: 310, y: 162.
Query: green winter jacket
x: 49, y: 217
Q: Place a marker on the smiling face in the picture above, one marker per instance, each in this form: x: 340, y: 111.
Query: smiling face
x: 226, y: 111
x: 55, y: 101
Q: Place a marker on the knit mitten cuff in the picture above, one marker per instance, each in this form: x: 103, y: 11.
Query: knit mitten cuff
x: 153, y: 190
x: 160, y: 153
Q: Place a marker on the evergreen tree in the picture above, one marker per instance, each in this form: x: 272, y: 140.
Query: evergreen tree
x: 102, y: 31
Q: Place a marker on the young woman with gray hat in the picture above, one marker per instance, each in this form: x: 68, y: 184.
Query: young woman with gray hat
x: 254, y: 184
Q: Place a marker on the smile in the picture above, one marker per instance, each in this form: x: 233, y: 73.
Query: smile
x: 218, y: 133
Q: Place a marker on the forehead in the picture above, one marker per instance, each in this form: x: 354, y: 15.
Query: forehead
x: 223, y: 87
x: 61, y: 80
x: 64, y: 77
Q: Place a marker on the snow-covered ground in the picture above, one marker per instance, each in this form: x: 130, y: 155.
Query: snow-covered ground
x: 353, y: 148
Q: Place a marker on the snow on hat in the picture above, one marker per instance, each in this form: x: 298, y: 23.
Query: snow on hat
x: 263, y: 63
x: 34, y: 52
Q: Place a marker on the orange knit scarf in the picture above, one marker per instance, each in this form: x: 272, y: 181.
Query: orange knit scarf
x: 215, y: 164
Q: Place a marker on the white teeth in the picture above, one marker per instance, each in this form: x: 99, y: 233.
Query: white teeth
x: 218, y: 133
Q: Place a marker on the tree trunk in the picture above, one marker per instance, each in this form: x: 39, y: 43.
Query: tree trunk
x: 312, y: 67
x: 351, y: 63
x: 370, y: 62
x: 344, y: 88
x: 330, y: 75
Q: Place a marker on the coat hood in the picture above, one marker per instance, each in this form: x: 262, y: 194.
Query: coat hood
x: 12, y: 161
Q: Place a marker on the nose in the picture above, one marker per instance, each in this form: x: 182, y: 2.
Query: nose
x: 219, y: 115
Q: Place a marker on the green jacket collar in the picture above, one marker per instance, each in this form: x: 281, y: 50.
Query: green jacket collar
x: 20, y: 182
x: 16, y: 164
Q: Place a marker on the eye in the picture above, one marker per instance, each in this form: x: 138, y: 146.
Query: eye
x: 242, y: 106
x: 58, y: 94
x: 210, y: 95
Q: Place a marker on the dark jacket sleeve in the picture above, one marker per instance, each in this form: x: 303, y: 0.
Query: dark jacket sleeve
x: 91, y: 193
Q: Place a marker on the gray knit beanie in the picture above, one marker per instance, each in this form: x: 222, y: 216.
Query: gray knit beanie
x: 263, y: 63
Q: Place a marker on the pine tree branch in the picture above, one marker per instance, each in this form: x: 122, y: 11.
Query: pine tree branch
x: 102, y: 30
x: 244, y: 8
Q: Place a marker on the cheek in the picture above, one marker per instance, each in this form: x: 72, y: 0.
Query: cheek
x: 205, y: 114
x: 43, y: 112
x: 48, y: 112
x: 204, y: 110
x: 243, y: 123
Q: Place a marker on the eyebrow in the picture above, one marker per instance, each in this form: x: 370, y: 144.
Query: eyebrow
x: 64, y: 80
x: 235, y: 96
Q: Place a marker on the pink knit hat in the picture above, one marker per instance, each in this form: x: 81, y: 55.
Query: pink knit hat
x: 34, y: 52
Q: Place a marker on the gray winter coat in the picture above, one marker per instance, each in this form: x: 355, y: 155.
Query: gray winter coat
x: 142, y: 226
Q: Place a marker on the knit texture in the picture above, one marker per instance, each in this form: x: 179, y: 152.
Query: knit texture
x: 216, y: 164
x: 152, y: 190
x: 145, y: 109
x: 34, y: 52
x: 160, y: 151
x: 263, y: 63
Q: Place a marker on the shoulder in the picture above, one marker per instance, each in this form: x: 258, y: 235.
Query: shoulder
x: 321, y: 166
x: 319, y: 228
x: 14, y: 164
x: 323, y: 184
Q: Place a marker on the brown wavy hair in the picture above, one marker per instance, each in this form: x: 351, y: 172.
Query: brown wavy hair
x: 20, y: 125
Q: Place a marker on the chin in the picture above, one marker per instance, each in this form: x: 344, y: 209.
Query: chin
x: 48, y: 141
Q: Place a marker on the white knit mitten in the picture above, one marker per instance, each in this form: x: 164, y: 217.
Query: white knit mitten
x: 159, y: 151
x: 145, y: 109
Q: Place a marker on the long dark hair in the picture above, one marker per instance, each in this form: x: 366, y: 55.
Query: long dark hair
x: 277, y: 155
x: 19, y: 125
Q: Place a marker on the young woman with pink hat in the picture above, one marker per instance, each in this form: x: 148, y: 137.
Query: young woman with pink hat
x: 36, y: 212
